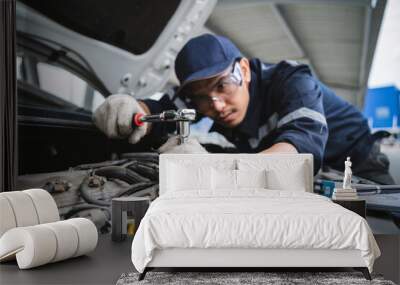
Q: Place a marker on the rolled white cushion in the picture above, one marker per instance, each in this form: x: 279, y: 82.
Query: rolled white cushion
x: 7, y: 218
x: 33, y: 246
x: 23, y: 208
x: 40, y: 244
x: 45, y: 205
x: 87, y: 235
x: 66, y: 238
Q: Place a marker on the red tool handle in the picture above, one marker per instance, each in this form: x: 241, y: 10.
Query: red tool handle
x: 136, y: 120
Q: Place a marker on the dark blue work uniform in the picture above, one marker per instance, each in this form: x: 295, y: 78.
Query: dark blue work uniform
x: 288, y: 104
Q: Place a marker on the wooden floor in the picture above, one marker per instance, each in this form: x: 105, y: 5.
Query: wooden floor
x: 103, y: 266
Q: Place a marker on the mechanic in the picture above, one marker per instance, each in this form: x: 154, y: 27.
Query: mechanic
x: 259, y: 107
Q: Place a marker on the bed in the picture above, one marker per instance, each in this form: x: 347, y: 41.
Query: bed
x: 247, y: 210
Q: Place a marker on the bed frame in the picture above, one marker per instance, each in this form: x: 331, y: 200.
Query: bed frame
x: 245, y: 258
x: 242, y: 259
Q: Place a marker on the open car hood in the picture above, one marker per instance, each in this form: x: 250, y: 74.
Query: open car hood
x: 130, y: 45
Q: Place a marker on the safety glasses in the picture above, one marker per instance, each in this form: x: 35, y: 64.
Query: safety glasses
x: 222, y: 90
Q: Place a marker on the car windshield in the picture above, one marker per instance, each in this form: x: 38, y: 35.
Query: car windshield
x: 50, y: 75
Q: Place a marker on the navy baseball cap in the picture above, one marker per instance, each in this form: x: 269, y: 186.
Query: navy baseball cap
x: 204, y: 57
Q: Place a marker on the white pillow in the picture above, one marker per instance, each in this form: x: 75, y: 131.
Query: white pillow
x: 182, y: 177
x: 251, y: 178
x: 281, y: 174
x: 231, y: 180
x: 224, y: 179
x: 291, y: 180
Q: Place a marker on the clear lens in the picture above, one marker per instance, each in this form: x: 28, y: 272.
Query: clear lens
x: 224, y: 89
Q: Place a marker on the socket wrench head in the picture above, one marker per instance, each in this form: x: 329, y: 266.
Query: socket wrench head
x: 183, y: 130
x: 187, y: 114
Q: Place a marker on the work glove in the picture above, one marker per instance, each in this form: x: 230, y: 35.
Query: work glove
x: 191, y: 145
x: 114, y: 118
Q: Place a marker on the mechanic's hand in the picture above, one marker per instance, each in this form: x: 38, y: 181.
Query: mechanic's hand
x: 114, y: 118
x: 191, y: 145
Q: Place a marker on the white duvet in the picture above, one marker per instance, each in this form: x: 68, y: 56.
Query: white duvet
x: 250, y: 219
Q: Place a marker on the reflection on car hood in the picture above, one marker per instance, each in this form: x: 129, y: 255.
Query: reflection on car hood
x: 130, y: 25
x: 135, y: 40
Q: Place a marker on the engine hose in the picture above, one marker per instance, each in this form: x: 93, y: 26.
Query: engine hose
x: 143, y: 162
x: 121, y: 173
x: 152, y: 192
x: 99, y: 216
x: 145, y: 156
x: 85, y: 190
x: 148, y: 167
x: 135, y: 188
x: 145, y: 171
x: 100, y: 164
x: 150, y: 164
x: 142, y: 155
x: 79, y: 208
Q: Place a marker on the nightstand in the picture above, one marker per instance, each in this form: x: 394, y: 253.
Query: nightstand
x: 127, y: 212
x: 357, y: 206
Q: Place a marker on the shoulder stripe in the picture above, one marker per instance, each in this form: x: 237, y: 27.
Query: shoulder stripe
x: 302, y: 112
